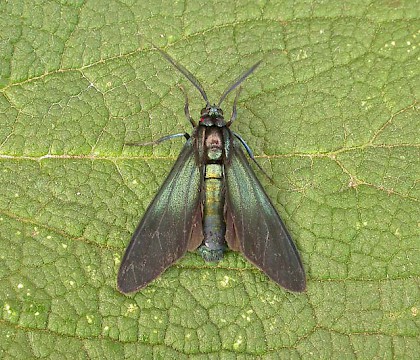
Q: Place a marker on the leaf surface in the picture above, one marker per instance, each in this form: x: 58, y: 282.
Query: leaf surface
x: 332, y: 115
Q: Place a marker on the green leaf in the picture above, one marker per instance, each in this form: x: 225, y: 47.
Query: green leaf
x: 332, y: 115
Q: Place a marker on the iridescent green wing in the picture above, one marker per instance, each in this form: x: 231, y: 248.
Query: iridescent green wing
x: 164, y: 233
x: 255, y: 228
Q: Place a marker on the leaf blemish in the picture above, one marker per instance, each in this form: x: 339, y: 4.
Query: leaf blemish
x: 238, y: 342
x: 132, y: 308
x: 225, y: 281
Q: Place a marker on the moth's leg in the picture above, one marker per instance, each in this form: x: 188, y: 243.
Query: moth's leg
x: 251, y: 155
x: 158, y: 141
x: 187, y: 109
x: 234, y: 113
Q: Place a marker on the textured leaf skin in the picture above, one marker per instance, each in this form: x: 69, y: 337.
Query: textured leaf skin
x: 332, y: 116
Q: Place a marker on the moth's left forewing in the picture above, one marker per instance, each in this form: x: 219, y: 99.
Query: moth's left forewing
x: 164, y: 233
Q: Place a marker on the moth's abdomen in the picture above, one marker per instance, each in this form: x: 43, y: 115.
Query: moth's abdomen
x: 213, y: 222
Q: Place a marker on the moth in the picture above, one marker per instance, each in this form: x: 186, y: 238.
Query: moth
x: 211, y: 201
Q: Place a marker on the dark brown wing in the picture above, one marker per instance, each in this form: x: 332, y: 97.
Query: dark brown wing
x: 163, y: 234
x: 260, y: 233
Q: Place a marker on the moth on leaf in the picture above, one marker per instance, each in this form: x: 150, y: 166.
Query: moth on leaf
x: 211, y: 200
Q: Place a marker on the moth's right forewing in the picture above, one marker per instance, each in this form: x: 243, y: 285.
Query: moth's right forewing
x: 259, y: 232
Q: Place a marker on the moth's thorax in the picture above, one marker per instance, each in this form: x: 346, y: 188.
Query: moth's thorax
x: 212, y: 115
x: 214, y: 144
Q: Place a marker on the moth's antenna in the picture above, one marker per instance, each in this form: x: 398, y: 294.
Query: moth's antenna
x: 238, y: 81
x: 186, y: 73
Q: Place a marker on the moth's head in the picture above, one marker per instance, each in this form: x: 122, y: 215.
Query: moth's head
x: 212, y: 115
x: 212, y: 111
